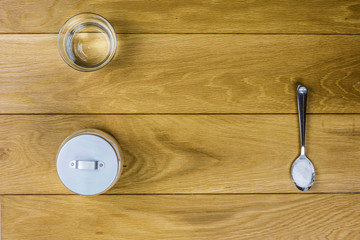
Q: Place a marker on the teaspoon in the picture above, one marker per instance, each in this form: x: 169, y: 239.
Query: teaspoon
x: 302, y: 170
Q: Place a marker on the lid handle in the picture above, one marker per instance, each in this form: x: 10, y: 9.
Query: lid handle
x: 87, y: 164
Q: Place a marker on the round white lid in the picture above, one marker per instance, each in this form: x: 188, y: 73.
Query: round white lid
x: 89, y: 162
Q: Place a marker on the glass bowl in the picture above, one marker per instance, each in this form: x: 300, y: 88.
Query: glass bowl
x: 87, y: 42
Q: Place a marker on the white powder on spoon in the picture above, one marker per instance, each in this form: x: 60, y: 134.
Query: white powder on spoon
x: 302, y: 173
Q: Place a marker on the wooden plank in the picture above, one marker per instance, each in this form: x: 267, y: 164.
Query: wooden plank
x: 182, y: 217
x: 185, y: 74
x: 190, y: 16
x: 188, y: 154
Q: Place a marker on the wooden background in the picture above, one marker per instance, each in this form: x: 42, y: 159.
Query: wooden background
x: 201, y: 97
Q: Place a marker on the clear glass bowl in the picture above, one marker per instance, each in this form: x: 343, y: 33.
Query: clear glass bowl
x: 87, y: 42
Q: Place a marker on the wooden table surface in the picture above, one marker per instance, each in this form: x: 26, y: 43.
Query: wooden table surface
x: 202, y: 98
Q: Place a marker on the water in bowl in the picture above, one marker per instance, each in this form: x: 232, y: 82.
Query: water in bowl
x: 88, y: 45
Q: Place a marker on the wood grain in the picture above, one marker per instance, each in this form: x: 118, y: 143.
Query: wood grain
x: 189, y: 16
x: 189, y: 172
x: 185, y: 74
x: 188, y: 154
x: 182, y: 217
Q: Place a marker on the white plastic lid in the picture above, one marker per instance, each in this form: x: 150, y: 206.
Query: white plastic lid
x: 89, y: 162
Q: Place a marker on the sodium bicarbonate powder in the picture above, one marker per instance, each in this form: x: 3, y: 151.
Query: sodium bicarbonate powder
x: 302, y: 173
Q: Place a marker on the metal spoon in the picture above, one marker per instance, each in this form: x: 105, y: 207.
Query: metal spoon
x: 302, y: 170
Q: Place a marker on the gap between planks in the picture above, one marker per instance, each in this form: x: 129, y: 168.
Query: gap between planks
x: 188, y: 194
x: 210, y: 33
x: 164, y: 114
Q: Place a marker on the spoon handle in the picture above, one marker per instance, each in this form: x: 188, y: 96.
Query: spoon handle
x: 301, y: 100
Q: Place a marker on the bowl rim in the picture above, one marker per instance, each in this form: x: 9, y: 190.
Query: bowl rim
x: 106, y: 60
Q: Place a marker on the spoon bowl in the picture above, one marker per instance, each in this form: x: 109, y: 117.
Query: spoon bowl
x: 303, y: 173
